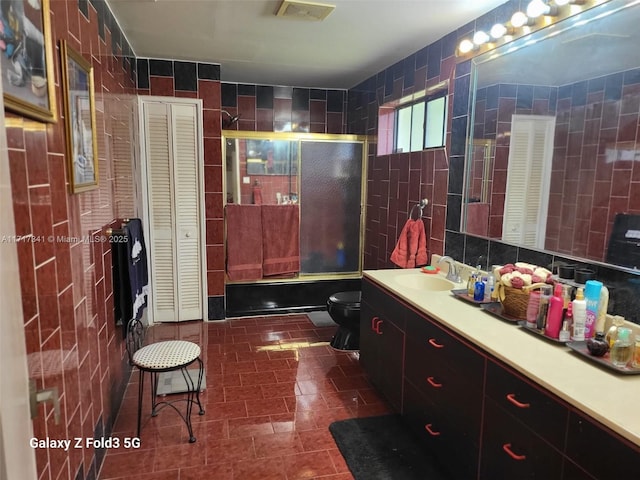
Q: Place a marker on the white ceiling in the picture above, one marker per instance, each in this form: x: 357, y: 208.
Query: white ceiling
x: 359, y: 39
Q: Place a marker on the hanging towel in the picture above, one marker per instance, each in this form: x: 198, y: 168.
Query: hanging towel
x: 418, y: 243
x: 244, y: 242
x: 281, y: 239
x: 138, y: 273
x: 411, y: 248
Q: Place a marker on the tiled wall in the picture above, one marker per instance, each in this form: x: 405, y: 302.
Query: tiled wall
x: 265, y: 108
x: 595, y: 170
x: 591, y: 181
x: 493, y: 110
x: 67, y: 293
x: 397, y: 182
x: 172, y: 78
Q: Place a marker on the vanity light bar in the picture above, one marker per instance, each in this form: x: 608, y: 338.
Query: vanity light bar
x: 539, y: 14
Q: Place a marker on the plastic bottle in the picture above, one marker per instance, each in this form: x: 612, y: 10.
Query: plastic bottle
x: 541, y: 319
x: 489, y: 287
x: 554, y: 315
x: 579, y: 307
x: 592, y: 291
x: 532, y: 308
x: 478, y: 291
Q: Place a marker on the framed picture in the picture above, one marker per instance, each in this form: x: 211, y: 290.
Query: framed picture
x: 80, y: 119
x: 26, y: 59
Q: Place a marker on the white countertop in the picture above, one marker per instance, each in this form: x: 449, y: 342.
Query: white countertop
x: 612, y: 399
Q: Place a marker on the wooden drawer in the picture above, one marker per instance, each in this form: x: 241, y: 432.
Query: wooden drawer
x: 602, y: 454
x: 511, y: 451
x: 530, y: 405
x: 453, y: 450
x: 461, y: 402
x: 442, y: 348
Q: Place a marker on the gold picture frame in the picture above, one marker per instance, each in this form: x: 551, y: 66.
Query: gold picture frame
x: 26, y: 59
x: 80, y: 120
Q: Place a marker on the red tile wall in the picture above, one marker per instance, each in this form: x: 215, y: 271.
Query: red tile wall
x: 67, y: 292
x: 595, y: 171
x: 397, y: 182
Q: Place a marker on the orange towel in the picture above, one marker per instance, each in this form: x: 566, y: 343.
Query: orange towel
x: 411, y: 248
x: 244, y: 242
x: 280, y: 239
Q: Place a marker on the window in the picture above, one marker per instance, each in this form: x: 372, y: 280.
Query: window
x: 421, y: 124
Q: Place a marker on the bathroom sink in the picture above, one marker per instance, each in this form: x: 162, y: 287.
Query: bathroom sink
x: 422, y: 281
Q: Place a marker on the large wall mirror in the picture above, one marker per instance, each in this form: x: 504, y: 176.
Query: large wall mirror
x: 553, y: 158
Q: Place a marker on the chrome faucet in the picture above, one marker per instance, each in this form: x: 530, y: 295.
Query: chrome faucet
x: 452, y: 273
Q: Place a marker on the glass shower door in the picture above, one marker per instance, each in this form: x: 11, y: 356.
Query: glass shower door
x: 330, y: 206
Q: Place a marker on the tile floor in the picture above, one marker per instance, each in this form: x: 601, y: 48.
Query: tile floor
x: 273, y: 387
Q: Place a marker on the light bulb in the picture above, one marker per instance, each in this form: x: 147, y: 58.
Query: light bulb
x: 498, y: 30
x: 480, y: 37
x: 536, y: 8
x: 519, y: 19
x: 465, y: 46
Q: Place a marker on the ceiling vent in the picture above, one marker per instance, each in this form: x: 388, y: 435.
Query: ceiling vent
x: 304, y: 10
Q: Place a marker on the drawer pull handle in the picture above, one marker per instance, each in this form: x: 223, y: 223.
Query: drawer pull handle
x: 373, y: 321
x: 507, y: 448
x: 512, y: 398
x: 433, y: 383
x: 432, y: 432
x: 377, y: 329
x: 435, y: 344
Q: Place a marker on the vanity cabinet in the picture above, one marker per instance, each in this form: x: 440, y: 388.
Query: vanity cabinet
x: 480, y: 418
x: 443, y: 394
x: 382, y: 342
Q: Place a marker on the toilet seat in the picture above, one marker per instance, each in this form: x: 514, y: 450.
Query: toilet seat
x: 346, y: 300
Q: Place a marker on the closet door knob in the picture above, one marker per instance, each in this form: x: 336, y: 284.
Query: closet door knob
x: 188, y: 234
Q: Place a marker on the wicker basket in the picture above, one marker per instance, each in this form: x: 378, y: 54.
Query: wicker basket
x: 515, y: 301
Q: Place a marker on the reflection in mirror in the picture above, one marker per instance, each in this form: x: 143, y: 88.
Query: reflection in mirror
x: 553, y: 159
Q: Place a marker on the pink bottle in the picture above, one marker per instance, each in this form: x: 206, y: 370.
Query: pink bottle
x: 554, y: 315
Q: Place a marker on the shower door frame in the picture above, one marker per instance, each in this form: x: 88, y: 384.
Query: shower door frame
x: 299, y: 137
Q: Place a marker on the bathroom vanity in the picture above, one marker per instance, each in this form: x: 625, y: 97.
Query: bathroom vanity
x: 487, y: 398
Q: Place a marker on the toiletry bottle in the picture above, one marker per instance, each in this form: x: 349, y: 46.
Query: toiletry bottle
x: 612, y: 333
x: 592, y: 291
x: 541, y: 319
x: 567, y: 290
x: 478, y: 292
x: 471, y: 282
x: 622, y: 349
x: 554, y: 315
x: 532, y: 308
x: 568, y: 322
x: 579, y: 306
x: 489, y: 287
x: 565, y: 333
x: 636, y: 353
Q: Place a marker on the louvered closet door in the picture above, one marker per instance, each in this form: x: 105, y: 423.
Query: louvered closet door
x: 187, y: 211
x: 171, y: 133
x: 528, y: 178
